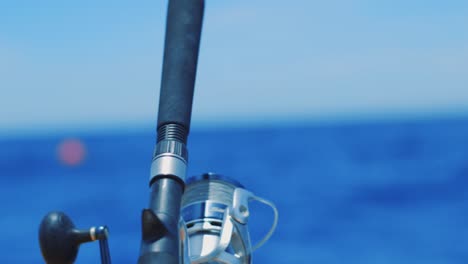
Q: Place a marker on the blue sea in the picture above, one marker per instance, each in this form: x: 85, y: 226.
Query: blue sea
x: 354, y: 193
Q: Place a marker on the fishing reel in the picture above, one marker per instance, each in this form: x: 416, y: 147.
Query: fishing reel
x: 213, y: 227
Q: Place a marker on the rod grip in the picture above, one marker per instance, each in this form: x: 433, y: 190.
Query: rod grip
x: 183, y: 32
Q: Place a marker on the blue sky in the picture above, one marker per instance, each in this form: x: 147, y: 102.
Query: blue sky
x: 65, y: 63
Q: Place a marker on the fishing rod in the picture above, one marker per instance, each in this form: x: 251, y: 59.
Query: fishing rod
x: 203, y: 219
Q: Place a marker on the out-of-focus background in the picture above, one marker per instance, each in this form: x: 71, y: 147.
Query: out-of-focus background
x: 352, y: 116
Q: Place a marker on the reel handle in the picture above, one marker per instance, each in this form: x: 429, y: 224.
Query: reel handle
x: 60, y: 240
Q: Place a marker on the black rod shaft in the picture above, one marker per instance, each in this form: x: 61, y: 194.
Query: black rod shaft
x: 160, y: 236
x: 183, y: 32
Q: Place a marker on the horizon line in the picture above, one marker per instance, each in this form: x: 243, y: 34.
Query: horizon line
x: 94, y: 127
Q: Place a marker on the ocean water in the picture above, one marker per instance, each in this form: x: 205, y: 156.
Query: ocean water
x: 382, y: 192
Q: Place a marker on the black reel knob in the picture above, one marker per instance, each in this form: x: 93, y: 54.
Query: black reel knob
x: 59, y: 239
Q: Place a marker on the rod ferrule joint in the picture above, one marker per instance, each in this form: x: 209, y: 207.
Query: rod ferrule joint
x: 170, y: 155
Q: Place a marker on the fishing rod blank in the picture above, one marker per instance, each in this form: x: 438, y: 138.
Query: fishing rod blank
x: 160, y: 223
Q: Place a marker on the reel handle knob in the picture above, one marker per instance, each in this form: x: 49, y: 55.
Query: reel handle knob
x: 59, y: 239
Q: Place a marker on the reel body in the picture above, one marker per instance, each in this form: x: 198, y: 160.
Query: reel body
x: 215, y: 212
x: 214, y: 235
